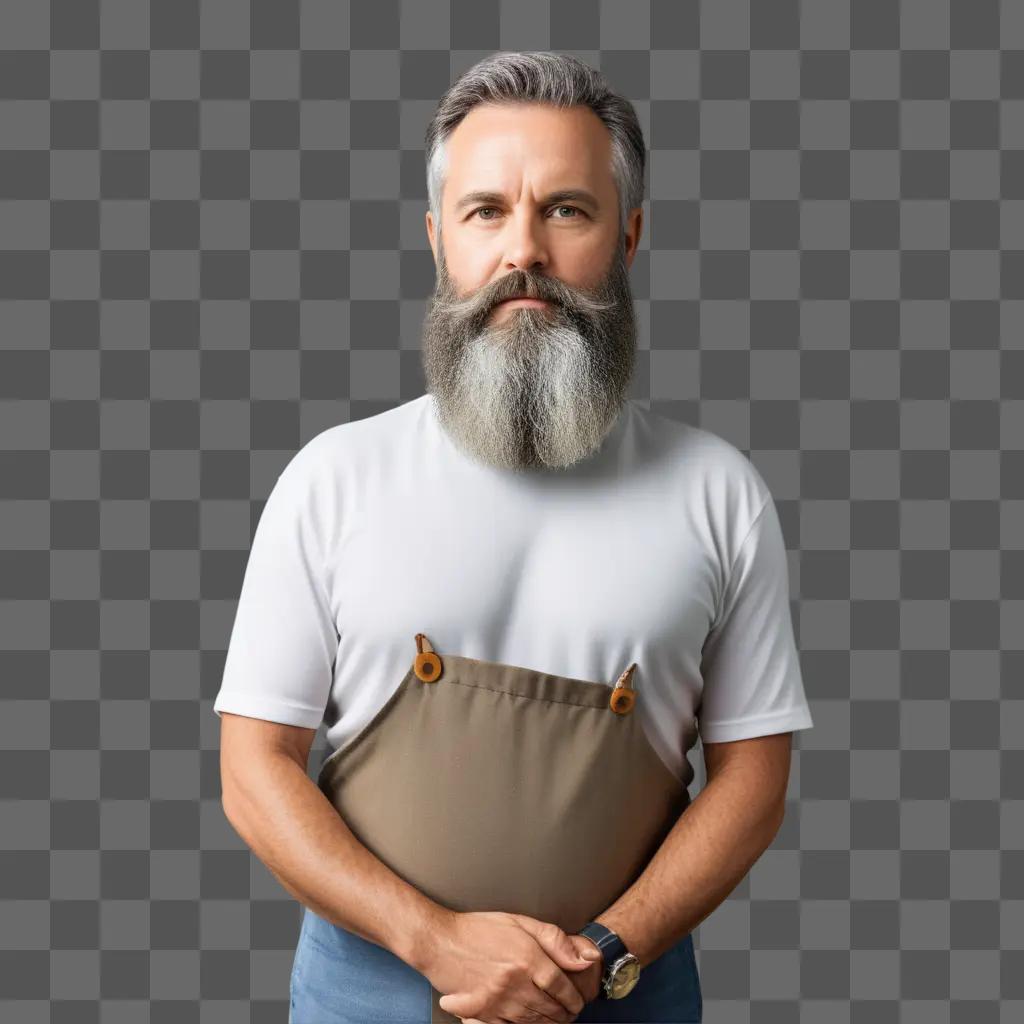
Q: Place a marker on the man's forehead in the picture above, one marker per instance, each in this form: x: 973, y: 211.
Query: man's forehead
x: 572, y: 143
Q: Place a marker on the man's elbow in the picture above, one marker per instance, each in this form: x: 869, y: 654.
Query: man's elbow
x: 775, y: 817
x: 231, y: 802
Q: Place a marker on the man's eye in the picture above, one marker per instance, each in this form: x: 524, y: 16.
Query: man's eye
x: 480, y: 209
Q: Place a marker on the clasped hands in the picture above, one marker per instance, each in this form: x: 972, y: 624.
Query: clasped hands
x: 513, y: 967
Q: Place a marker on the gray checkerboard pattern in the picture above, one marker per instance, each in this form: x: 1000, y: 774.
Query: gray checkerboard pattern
x: 212, y: 247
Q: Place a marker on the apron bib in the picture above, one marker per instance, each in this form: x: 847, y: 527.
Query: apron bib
x: 491, y: 786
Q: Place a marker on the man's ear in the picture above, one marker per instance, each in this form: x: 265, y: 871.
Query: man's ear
x: 634, y: 227
x: 431, y: 237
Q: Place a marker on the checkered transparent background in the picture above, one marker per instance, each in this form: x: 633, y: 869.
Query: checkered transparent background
x: 212, y: 247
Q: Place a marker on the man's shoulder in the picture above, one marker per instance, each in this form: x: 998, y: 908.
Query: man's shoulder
x: 343, y: 451
x: 333, y: 442
x: 716, y: 473
x: 698, y: 447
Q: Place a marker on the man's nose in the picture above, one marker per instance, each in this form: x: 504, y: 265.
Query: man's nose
x: 526, y: 248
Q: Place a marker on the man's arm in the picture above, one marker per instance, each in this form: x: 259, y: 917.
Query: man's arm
x: 286, y: 820
x: 715, y: 842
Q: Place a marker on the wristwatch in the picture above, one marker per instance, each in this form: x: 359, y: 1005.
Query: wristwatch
x: 621, y: 968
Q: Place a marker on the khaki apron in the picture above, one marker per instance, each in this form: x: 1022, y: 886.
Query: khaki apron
x: 490, y: 786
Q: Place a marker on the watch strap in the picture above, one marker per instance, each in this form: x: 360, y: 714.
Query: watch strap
x: 610, y: 945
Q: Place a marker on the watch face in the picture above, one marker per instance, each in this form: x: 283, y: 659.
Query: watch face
x: 625, y: 974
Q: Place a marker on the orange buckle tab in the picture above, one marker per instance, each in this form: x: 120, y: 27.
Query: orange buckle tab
x: 427, y: 665
x: 624, y: 696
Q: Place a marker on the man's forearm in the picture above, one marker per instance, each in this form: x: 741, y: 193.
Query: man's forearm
x: 297, y: 833
x: 710, y: 848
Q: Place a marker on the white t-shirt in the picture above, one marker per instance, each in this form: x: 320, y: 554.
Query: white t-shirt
x: 663, y: 547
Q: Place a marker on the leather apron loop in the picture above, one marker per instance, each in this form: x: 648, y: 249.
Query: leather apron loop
x: 427, y: 665
x: 624, y: 696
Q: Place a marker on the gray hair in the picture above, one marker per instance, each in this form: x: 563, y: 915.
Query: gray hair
x: 540, y: 76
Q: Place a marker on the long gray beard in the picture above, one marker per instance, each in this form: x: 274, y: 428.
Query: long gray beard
x: 543, y: 388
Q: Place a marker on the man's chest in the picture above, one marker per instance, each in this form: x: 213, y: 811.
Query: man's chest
x: 612, y: 569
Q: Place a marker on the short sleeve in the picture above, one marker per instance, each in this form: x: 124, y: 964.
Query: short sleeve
x: 280, y: 659
x: 750, y: 665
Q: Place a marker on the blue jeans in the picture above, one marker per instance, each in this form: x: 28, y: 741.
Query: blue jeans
x: 341, y: 978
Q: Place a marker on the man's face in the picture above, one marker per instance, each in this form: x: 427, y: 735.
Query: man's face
x: 530, y: 384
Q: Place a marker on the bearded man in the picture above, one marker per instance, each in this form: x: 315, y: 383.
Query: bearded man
x: 516, y: 602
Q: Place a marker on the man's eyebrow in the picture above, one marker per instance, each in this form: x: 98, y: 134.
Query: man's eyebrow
x: 564, y: 195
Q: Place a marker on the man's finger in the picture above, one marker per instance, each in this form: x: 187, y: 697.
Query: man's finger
x: 561, y: 951
x: 556, y: 943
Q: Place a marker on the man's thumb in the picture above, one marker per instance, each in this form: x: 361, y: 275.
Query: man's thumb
x: 585, y: 947
x: 583, y: 953
x: 569, y: 952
